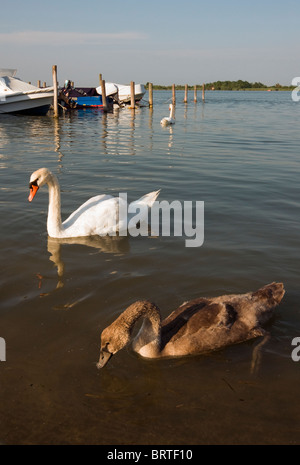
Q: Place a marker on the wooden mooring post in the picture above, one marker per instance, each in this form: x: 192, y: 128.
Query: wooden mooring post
x: 150, y: 90
x: 203, y: 92
x: 132, y: 99
x: 55, y: 96
x: 173, y: 94
x: 103, y: 91
x: 185, y: 94
x: 195, y: 93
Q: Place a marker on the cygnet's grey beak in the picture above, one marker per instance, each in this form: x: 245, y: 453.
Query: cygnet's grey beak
x: 104, y: 358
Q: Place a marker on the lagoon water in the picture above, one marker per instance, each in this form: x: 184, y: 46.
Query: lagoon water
x: 239, y: 153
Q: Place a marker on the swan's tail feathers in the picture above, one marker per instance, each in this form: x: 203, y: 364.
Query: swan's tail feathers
x: 147, y: 199
x: 271, y: 294
x: 267, y: 298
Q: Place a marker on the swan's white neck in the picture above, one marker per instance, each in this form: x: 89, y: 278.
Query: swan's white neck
x: 54, y: 225
x: 172, y: 112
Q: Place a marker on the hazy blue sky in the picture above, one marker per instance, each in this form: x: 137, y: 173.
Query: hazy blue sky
x: 178, y: 41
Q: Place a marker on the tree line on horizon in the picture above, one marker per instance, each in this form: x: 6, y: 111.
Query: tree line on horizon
x: 226, y: 85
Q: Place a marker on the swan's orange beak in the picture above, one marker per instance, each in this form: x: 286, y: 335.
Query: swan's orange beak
x: 33, y: 190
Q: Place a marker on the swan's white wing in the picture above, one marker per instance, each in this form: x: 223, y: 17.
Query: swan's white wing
x: 147, y: 199
x: 86, y: 205
x: 100, y: 215
x: 97, y: 216
x: 140, y: 208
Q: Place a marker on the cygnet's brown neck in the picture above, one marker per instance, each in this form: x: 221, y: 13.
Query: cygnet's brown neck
x: 148, y: 340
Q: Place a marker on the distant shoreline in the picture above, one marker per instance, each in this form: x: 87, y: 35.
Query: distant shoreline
x: 270, y: 89
x: 227, y: 85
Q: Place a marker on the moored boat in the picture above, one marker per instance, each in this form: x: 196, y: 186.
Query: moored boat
x: 17, y: 96
x: 81, y: 97
x: 122, y: 93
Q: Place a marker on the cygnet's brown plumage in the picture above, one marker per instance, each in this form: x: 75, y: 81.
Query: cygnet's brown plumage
x: 198, y: 326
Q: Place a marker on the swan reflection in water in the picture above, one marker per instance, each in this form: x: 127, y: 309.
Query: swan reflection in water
x: 104, y: 244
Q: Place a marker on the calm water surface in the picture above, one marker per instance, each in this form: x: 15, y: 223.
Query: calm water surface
x: 239, y: 153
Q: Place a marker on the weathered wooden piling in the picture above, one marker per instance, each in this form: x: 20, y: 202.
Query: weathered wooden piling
x: 150, y: 90
x: 38, y: 83
x: 203, y: 92
x: 195, y: 93
x: 103, y: 91
x: 55, y: 96
x: 185, y: 94
x: 132, y: 98
x: 173, y: 94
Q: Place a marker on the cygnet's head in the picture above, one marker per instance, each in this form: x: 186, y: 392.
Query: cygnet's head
x: 113, y: 339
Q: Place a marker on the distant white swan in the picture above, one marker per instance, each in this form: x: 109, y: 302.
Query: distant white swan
x: 97, y: 216
x: 167, y: 120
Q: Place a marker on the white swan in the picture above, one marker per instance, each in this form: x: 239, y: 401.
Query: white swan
x: 201, y: 325
x: 167, y: 120
x: 97, y: 216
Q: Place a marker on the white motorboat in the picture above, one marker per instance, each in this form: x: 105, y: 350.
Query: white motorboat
x: 121, y: 92
x: 17, y: 96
